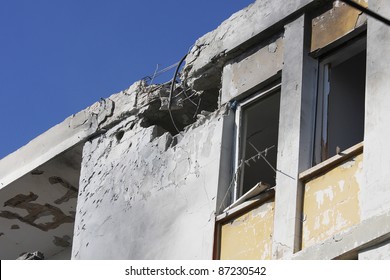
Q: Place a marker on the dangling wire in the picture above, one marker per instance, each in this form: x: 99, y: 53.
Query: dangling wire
x: 367, y: 11
x: 263, y: 155
x: 158, y: 73
x: 172, y: 90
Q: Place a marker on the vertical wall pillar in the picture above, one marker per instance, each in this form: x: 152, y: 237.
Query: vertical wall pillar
x: 375, y: 190
x: 296, y: 128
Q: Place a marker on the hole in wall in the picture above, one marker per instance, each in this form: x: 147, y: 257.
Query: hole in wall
x: 186, y: 115
x: 119, y: 135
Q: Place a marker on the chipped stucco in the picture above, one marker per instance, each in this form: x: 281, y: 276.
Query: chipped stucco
x: 249, y: 236
x: 240, y: 32
x: 157, y: 191
x: 331, y: 202
x: 145, y: 194
x: 250, y: 70
x: 336, y: 23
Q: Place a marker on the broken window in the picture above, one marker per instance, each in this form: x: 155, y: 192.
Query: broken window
x: 340, y: 103
x: 257, y: 122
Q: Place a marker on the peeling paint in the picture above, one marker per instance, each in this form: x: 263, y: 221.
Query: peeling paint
x: 336, y: 23
x: 160, y: 188
x: 249, y: 237
x: 64, y: 241
x: 71, y: 193
x: 266, y: 61
x: 272, y: 47
x: 35, y: 211
x: 331, y: 202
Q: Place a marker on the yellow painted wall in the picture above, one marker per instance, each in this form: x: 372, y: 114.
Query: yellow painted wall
x: 331, y: 202
x: 335, y: 23
x: 249, y: 237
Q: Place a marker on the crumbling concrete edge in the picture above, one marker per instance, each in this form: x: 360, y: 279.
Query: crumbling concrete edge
x: 207, y: 57
x: 78, y: 128
x: 358, y: 238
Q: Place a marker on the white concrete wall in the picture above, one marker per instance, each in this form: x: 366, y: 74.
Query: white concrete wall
x: 296, y: 124
x: 143, y: 197
x: 375, y: 193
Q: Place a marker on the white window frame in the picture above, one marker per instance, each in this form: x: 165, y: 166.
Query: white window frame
x: 239, y: 148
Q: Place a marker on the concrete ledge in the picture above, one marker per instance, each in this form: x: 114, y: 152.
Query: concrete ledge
x: 245, y: 207
x: 357, y: 238
x: 331, y: 162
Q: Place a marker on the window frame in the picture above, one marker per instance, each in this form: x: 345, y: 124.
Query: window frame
x: 332, y: 57
x: 239, y: 147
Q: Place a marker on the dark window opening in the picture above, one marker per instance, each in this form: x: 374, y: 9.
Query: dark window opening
x: 258, y: 133
x: 340, y: 111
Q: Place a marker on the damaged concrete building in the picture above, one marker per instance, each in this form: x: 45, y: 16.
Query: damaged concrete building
x: 269, y: 143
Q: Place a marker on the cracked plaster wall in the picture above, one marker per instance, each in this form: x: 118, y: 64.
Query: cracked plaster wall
x: 146, y: 195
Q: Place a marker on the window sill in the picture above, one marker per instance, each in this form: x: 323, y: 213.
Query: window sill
x: 245, y: 206
x: 331, y: 162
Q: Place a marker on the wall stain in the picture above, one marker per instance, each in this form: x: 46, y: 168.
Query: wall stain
x: 249, y: 236
x: 35, y: 211
x: 62, y: 241
x: 331, y: 202
x: 335, y: 23
x: 71, y: 193
x: 37, y: 172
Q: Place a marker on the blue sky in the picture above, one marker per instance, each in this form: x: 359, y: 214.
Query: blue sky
x: 58, y: 57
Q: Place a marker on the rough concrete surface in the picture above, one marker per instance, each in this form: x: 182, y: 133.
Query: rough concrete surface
x: 368, y: 233
x: 210, y: 52
x: 295, y: 128
x: 250, y: 70
x: 146, y: 195
x: 375, y: 193
x: 336, y: 23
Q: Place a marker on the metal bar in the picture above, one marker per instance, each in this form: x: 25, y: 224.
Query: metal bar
x: 366, y: 11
